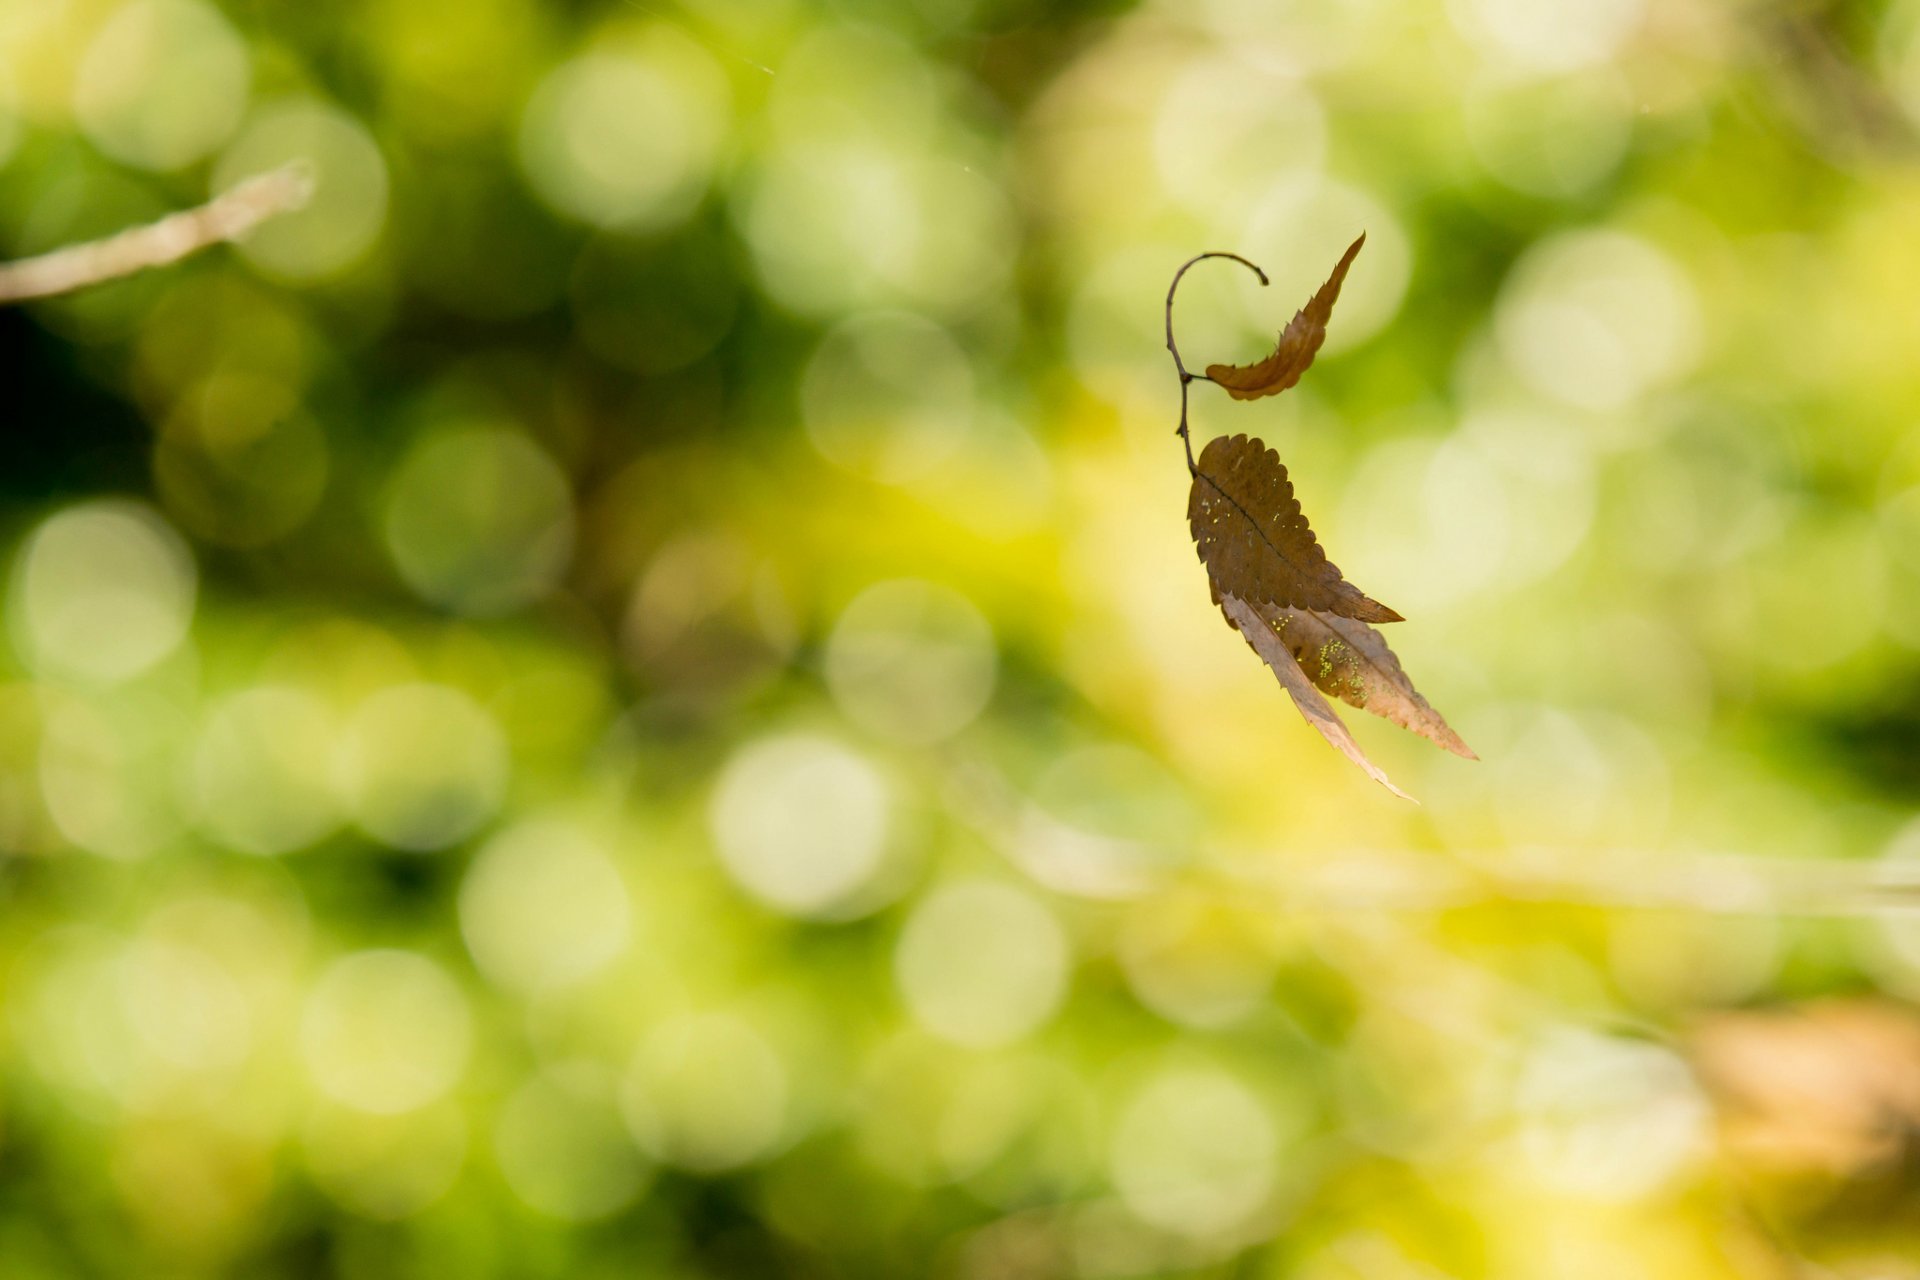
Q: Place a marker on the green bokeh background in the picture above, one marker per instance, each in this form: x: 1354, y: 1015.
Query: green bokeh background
x: 627, y: 693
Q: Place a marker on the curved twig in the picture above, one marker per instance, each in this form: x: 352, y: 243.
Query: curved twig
x: 1186, y: 377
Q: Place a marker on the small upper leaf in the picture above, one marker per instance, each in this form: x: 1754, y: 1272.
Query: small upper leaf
x: 1350, y: 660
x: 1299, y: 342
x: 1269, y: 646
x: 1255, y: 541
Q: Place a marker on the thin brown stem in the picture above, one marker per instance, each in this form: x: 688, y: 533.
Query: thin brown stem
x: 227, y: 216
x: 1178, y: 364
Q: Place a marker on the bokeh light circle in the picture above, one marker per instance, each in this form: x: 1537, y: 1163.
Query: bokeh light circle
x: 911, y: 661
x: 422, y: 765
x: 801, y: 822
x: 1225, y: 124
x: 706, y: 1092
x: 1548, y: 38
x: 1899, y: 54
x: 239, y: 463
x: 479, y: 520
x: 1551, y: 138
x: 263, y: 770
x: 888, y: 394
x: 982, y: 964
x: 102, y: 592
x: 348, y: 207
x: 385, y: 1031
x: 1444, y: 535
x: 1105, y: 820
x: 11, y: 128
x: 543, y: 907
x: 1196, y: 964
x: 66, y: 1005
x: 185, y: 1007
x: 385, y: 1167
x: 1597, y: 318
x: 562, y: 1149
x: 1607, y: 1118
x: 627, y: 138
x: 842, y: 224
x: 1194, y: 1151
x: 163, y: 83
x: 106, y: 775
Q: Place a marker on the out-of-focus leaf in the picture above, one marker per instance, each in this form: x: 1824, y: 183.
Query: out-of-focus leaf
x: 1255, y: 540
x: 1348, y: 659
x: 1299, y: 342
x: 1267, y: 643
x: 1831, y: 1087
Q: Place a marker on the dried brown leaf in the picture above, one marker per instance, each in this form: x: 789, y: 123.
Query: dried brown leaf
x: 1348, y: 659
x: 1255, y: 541
x: 1299, y: 342
x: 1267, y: 643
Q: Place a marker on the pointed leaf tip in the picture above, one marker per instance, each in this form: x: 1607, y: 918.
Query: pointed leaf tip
x: 1305, y: 697
x: 1347, y: 659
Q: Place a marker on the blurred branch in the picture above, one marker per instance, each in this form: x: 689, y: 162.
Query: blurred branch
x: 1088, y: 865
x: 1716, y: 884
x: 228, y: 216
x: 1820, y: 86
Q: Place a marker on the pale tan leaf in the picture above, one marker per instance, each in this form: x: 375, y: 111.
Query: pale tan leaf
x: 1299, y: 342
x: 1267, y: 643
x: 1831, y: 1087
x: 1348, y: 659
x: 1255, y: 541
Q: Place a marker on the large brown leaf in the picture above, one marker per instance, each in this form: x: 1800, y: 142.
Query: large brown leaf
x: 1255, y: 541
x: 1299, y: 342
x: 1348, y: 659
x: 1267, y: 643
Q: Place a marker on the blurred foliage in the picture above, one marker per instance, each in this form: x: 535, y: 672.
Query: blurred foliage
x: 627, y: 692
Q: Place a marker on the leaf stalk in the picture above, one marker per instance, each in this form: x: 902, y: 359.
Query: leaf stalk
x: 1187, y: 378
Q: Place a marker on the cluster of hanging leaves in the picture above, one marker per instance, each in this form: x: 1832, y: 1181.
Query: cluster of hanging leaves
x: 1268, y: 574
